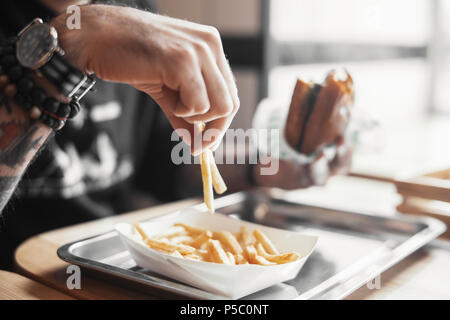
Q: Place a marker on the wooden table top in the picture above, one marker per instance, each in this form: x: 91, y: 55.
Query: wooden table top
x: 36, y: 258
x: 16, y: 287
x: 421, y: 275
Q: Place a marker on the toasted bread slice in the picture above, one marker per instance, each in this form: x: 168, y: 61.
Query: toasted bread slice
x: 319, y: 114
x: 298, y: 112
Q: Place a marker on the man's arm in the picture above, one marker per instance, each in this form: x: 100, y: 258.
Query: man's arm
x: 180, y: 64
x: 20, y: 139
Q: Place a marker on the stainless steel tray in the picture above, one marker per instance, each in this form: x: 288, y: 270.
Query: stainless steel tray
x: 353, y: 248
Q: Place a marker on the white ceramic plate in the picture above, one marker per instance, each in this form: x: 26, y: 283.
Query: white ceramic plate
x: 230, y: 281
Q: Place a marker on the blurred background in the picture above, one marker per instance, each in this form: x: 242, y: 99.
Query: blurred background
x: 397, y: 52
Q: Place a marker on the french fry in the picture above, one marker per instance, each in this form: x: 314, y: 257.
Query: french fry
x: 230, y: 242
x: 193, y: 256
x: 217, y: 180
x: 201, y: 126
x: 210, y: 175
x: 208, y: 196
x: 176, y: 254
x: 265, y: 241
x: 180, y: 239
x: 140, y: 231
x: 202, y: 252
x: 261, y: 251
x: 240, y: 259
x: 189, y: 229
x: 165, y: 246
x: 173, y: 232
x: 216, y: 252
x: 207, y: 255
x: 231, y: 258
x: 202, y: 238
x: 277, y: 258
x: 254, y: 258
x: 285, y: 258
x: 246, y: 237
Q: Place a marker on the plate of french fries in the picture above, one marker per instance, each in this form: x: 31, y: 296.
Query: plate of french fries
x: 216, y: 253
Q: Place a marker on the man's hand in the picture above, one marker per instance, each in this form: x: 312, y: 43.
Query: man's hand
x: 294, y: 176
x: 180, y: 64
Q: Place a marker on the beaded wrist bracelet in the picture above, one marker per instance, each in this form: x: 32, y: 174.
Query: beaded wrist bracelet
x: 33, y: 98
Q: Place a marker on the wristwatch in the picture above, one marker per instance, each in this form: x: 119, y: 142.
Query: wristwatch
x: 37, y: 49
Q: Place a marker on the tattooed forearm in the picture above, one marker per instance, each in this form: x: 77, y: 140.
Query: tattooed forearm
x: 17, y: 139
x: 7, y: 186
x: 20, y: 139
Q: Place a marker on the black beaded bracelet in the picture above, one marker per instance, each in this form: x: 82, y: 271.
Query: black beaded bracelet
x: 33, y: 98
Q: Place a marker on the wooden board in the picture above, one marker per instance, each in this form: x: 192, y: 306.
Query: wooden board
x: 16, y: 287
x: 427, y: 195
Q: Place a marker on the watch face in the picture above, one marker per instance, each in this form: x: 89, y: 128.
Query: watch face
x: 36, y: 46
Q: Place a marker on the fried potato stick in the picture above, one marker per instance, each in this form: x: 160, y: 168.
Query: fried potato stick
x: 254, y: 258
x: 210, y: 175
x: 246, y: 237
x: 166, y: 246
x: 217, y: 180
x: 190, y: 229
x: 208, y: 196
x: 202, y: 238
x: 176, y: 254
x: 216, y: 252
x: 193, y: 256
x: 230, y: 242
x: 231, y: 258
x: 140, y: 231
x: 240, y: 259
x: 173, y: 232
x: 265, y: 241
x: 180, y: 239
x: 277, y: 258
